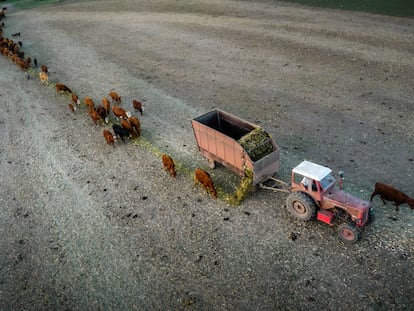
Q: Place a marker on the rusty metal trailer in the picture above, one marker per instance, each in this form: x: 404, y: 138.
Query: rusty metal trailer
x: 217, y: 134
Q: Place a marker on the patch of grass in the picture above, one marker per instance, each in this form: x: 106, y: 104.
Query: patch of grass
x: 28, y: 4
x: 403, y: 8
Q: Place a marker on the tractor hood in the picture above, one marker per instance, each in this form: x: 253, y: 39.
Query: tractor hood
x: 354, y: 206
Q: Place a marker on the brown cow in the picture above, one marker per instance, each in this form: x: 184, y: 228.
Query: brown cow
x: 75, y: 99
x: 135, y: 124
x: 60, y: 87
x: 89, y: 103
x: 94, y: 115
x: 44, y: 69
x: 205, y: 180
x: 386, y: 192
x: 109, y: 137
x: 106, y: 104
x: 114, y: 95
x: 71, y: 107
x: 102, y: 112
x: 119, y: 112
x: 126, y: 125
x: 138, y: 106
x: 169, y: 165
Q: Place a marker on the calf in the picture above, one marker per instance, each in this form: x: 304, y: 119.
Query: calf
x: 60, y: 87
x: 114, y: 95
x: 168, y: 164
x: 108, y: 137
x: 386, y: 192
x: 120, y: 131
x: 205, y: 180
x: 138, y: 106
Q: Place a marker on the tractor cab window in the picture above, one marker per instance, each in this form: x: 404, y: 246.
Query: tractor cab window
x: 306, y: 182
x: 327, y: 181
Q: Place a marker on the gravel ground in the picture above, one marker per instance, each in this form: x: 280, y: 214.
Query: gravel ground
x: 88, y: 226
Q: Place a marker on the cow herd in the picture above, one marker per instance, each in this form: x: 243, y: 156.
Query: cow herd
x: 124, y: 124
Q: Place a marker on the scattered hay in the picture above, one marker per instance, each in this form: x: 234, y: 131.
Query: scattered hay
x: 243, y: 189
x: 257, y: 144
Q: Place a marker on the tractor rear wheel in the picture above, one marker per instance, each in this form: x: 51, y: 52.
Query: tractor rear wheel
x: 348, y: 233
x: 301, y: 206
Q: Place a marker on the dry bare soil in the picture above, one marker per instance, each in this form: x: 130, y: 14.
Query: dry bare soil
x: 87, y: 226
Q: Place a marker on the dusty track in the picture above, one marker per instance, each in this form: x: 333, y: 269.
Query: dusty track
x: 84, y: 224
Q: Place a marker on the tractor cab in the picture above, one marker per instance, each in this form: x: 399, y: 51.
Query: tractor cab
x: 313, y: 179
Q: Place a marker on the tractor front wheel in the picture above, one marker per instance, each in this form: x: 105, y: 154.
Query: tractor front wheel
x: 301, y: 206
x: 348, y: 233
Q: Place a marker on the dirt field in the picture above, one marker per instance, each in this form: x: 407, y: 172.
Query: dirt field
x: 84, y: 225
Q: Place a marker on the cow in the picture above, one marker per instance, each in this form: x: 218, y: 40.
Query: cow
x: 169, y: 165
x: 44, y: 68
x: 60, y: 87
x: 75, y: 99
x: 89, y: 102
x: 114, y: 95
x: 44, y: 78
x: 102, y: 112
x: 94, y: 115
x: 71, y: 107
x: 119, y: 112
x: 120, y: 131
x: 108, y: 137
x: 386, y: 192
x: 126, y: 125
x: 106, y: 104
x: 205, y: 180
x: 138, y: 106
x: 135, y: 124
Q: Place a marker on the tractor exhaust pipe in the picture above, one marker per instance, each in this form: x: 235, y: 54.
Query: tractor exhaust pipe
x: 341, y: 177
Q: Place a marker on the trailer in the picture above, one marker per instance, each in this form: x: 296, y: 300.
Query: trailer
x: 219, y: 135
x: 240, y: 145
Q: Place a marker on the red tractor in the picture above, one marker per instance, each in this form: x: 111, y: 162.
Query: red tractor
x: 313, y: 193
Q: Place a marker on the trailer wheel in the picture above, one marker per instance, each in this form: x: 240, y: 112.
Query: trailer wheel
x: 301, y: 206
x: 348, y: 233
